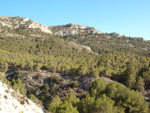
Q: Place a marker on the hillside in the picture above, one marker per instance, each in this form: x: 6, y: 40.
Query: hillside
x: 98, y: 41
x: 13, y: 102
x: 64, y: 67
x: 73, y: 29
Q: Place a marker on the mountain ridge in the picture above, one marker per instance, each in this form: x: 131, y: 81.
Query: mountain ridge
x: 67, y: 29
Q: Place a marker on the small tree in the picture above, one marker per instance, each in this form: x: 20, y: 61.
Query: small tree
x: 97, y: 88
x: 53, y: 107
x: 140, y: 84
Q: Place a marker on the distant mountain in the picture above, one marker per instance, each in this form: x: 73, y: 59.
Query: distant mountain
x: 85, y: 36
x: 68, y: 29
x: 25, y: 23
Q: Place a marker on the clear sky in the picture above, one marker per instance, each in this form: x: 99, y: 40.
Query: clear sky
x: 127, y: 17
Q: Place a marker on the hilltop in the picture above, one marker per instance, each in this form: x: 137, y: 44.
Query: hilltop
x: 89, y: 37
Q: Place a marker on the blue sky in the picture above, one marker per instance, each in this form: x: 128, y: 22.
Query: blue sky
x: 127, y: 17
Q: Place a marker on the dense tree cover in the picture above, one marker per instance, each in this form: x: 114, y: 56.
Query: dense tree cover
x: 116, y: 60
x: 107, y: 43
x: 51, y: 54
x: 57, y: 106
x: 103, y: 98
x: 57, y: 55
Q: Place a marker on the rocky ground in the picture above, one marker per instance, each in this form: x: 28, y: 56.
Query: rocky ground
x: 13, y: 102
x: 59, y: 84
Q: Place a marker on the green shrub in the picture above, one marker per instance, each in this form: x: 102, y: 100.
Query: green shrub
x: 74, y: 84
x: 37, y: 76
x: 56, y: 79
x: 19, y: 86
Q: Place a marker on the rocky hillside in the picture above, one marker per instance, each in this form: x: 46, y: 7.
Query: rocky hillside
x: 79, y: 36
x: 25, y: 23
x: 13, y: 102
x: 68, y: 66
x: 73, y: 29
x: 59, y: 84
x: 50, y: 84
x: 21, y: 22
x: 68, y: 29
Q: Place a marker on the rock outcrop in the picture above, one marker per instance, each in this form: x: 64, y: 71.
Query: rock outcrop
x: 21, y: 22
x: 13, y: 102
x: 68, y: 29
x: 73, y: 29
x: 81, y: 46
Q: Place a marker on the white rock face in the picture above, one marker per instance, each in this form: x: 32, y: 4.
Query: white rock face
x: 74, y: 29
x: 15, y: 22
x: 117, y: 35
x: 68, y: 29
x: 4, y: 21
x: 81, y: 46
x: 40, y: 26
x: 5, y: 24
x: 10, y: 102
x: 79, y: 26
x: 87, y: 47
x: 66, y: 32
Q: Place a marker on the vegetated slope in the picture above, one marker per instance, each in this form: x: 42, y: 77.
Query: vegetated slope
x: 84, y: 35
x: 108, y: 43
x: 30, y: 54
x: 102, y: 42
